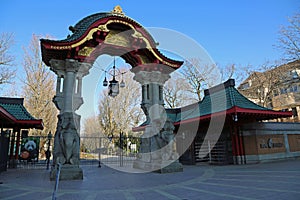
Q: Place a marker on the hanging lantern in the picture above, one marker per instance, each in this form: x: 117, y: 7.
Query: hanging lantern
x: 113, y: 87
x: 122, y: 84
x: 105, y: 83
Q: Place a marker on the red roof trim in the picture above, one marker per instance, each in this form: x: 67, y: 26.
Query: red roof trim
x: 139, y: 128
x: 32, y: 123
x: 235, y: 109
x: 265, y: 112
x: 205, y: 117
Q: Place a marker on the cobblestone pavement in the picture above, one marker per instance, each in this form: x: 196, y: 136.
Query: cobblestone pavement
x: 278, y: 180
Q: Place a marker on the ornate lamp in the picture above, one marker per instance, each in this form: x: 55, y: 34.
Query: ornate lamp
x: 113, y: 87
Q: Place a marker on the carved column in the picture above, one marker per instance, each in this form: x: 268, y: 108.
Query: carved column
x: 68, y: 99
x: 157, y: 142
x: 152, y: 94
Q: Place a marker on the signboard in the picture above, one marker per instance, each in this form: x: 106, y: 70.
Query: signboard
x: 270, y: 144
x: 30, y: 148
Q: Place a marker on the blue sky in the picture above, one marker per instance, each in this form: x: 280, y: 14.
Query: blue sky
x: 231, y: 31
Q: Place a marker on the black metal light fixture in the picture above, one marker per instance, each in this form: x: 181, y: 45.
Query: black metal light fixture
x: 113, y: 87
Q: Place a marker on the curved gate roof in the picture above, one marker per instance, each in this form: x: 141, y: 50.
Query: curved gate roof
x: 110, y: 33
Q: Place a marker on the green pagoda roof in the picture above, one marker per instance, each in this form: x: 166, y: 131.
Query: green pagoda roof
x: 12, y: 112
x: 221, y: 98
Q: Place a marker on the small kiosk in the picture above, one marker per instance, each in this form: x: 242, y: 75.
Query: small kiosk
x: 15, y: 121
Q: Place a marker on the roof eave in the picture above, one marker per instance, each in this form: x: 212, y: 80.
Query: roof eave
x: 38, y: 124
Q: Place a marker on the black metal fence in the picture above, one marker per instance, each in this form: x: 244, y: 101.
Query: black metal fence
x: 116, y: 151
x: 35, y: 152
x: 113, y: 151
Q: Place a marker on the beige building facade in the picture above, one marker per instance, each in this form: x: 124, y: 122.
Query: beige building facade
x: 277, y: 89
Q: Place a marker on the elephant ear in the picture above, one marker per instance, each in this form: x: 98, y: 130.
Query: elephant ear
x: 61, y: 159
x: 74, y: 161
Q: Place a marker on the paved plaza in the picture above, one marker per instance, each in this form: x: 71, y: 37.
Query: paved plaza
x: 278, y: 180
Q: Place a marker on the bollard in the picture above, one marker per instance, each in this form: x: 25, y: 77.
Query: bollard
x: 56, y: 181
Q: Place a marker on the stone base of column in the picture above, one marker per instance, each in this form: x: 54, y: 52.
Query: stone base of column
x: 158, y: 166
x: 67, y: 172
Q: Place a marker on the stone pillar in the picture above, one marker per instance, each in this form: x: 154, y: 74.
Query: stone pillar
x: 158, y: 149
x: 68, y: 99
x: 151, y: 93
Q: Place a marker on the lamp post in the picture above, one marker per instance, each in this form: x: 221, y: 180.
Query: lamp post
x: 48, y: 152
x: 114, y: 84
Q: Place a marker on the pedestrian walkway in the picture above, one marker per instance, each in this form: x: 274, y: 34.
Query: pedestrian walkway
x: 278, y: 180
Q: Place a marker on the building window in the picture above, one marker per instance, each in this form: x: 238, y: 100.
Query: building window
x: 295, y: 73
x: 275, y: 92
x: 245, y: 86
x: 283, y: 90
x: 294, y: 88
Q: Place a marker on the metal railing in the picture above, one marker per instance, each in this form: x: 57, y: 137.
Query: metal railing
x: 117, y: 151
x: 56, y: 181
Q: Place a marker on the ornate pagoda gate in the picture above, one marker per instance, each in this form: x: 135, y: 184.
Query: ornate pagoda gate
x: 115, y: 34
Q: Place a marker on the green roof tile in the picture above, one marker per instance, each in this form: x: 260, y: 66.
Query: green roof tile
x: 220, y: 99
x: 17, y: 110
x: 86, y: 22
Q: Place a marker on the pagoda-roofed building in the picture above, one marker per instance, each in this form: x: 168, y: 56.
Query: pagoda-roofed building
x: 14, y: 118
x: 226, y: 128
x: 13, y: 114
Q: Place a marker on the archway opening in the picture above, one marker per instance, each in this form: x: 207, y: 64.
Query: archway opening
x: 71, y: 59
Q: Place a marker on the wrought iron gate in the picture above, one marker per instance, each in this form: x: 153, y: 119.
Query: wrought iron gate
x: 113, y: 151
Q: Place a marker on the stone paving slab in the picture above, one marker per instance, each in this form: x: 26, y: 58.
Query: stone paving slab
x: 278, y: 180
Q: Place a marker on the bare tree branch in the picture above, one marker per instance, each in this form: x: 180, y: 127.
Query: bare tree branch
x: 289, y: 38
x: 7, y: 70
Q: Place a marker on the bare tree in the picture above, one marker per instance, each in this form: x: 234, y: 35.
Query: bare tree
x: 39, y: 87
x: 202, y: 76
x: 91, y: 127
x: 232, y: 71
x: 91, y: 133
x: 196, y: 75
x: 261, y: 84
x: 106, y: 116
x: 7, y: 71
x: 175, y: 92
x: 289, y: 38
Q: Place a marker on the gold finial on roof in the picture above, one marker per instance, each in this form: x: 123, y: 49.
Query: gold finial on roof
x: 118, y: 10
